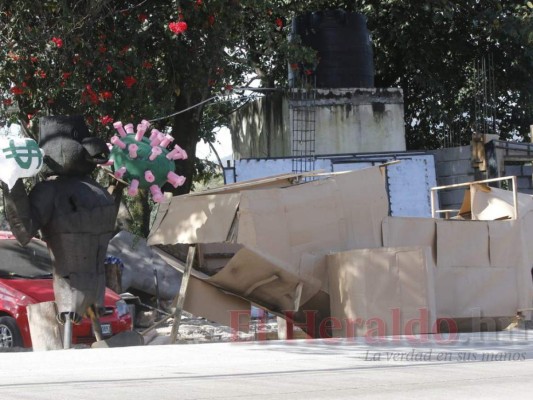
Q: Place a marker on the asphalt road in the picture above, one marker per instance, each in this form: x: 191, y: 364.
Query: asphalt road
x: 489, y: 366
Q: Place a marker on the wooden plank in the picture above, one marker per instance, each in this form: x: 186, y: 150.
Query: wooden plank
x: 179, y: 301
x: 45, y: 331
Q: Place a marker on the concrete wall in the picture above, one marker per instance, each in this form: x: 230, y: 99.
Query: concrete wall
x: 453, y: 165
x: 523, y: 172
x: 359, y: 121
x: 261, y: 128
x: 346, y: 121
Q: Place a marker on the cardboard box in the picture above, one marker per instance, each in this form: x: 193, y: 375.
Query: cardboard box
x: 381, y: 292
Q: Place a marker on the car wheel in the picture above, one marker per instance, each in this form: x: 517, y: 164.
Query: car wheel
x: 9, y: 333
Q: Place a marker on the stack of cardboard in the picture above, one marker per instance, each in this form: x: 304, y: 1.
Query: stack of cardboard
x: 326, y: 253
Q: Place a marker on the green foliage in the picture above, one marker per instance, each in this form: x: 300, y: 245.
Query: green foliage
x: 119, y: 60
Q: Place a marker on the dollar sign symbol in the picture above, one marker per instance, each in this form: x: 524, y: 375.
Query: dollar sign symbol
x: 24, y: 155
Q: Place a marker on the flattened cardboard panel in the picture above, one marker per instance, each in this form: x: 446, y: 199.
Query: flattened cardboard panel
x: 263, y: 223
x: 265, y: 281
x: 465, y: 292
x: 462, y: 243
x: 406, y: 231
x: 384, y: 291
x: 498, y: 203
x: 314, y: 265
x: 195, y: 219
x: 505, y: 244
x: 205, y: 300
x: 363, y: 198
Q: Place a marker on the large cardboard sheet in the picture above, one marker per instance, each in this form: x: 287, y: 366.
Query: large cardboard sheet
x: 205, y: 300
x: 264, y: 280
x: 302, y: 223
x: 385, y: 291
x: 488, y: 204
x: 195, y: 219
x: 462, y: 243
x: 407, y: 231
x: 469, y: 292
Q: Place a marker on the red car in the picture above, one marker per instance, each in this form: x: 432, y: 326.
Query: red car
x: 26, y: 278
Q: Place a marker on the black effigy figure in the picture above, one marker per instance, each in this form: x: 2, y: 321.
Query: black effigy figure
x: 75, y: 214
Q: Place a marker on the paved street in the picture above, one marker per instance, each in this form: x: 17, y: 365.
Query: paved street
x: 489, y: 366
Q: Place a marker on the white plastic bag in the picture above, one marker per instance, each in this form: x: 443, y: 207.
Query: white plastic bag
x: 19, y: 158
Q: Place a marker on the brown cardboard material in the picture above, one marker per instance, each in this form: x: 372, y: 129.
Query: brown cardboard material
x: 485, y: 203
x: 384, y: 291
x: 265, y: 281
x: 195, y: 219
x: 462, y: 243
x: 469, y: 292
x: 410, y: 231
x: 205, y: 300
x: 341, y: 211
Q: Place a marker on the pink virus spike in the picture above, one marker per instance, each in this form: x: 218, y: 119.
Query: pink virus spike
x: 149, y: 176
x: 166, y: 140
x: 155, y: 152
x: 141, y: 129
x: 117, y: 142
x: 129, y: 129
x: 120, y: 129
x: 133, y: 189
x: 175, y: 179
x: 145, y: 123
x: 154, y: 134
x: 132, y: 150
x: 157, y: 195
x: 176, y: 153
x: 156, y: 140
x: 119, y: 173
x: 108, y: 163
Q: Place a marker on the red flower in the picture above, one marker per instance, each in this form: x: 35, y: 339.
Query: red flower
x: 7, y: 102
x: 89, y: 92
x: 147, y: 65
x: 129, y: 81
x: 66, y: 75
x: 40, y: 73
x: 16, y: 90
x: 279, y: 22
x: 109, y: 68
x: 308, y: 72
x: 211, y: 20
x: 142, y: 17
x: 106, y: 120
x: 34, y: 59
x: 13, y: 56
x: 199, y: 2
x: 106, y: 95
x: 58, y: 41
x: 102, y: 49
x: 178, y: 27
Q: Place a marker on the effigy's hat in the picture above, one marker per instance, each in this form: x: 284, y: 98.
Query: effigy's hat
x: 69, y: 147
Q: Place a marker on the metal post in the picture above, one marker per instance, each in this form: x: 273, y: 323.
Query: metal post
x: 67, y: 337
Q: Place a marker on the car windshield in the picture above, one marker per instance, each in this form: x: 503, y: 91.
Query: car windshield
x: 31, y: 261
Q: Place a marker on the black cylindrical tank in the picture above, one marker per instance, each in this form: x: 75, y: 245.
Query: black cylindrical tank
x: 345, y: 57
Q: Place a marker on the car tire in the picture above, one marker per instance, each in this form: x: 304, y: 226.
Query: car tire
x: 9, y: 333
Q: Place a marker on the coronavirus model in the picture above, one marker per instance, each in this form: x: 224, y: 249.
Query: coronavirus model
x: 144, y: 161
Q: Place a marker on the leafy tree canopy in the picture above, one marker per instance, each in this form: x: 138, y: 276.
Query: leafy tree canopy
x: 123, y: 60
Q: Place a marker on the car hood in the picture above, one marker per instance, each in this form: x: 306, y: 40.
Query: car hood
x: 42, y: 290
